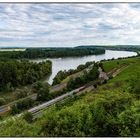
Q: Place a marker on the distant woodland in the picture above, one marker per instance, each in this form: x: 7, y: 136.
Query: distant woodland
x: 33, y: 53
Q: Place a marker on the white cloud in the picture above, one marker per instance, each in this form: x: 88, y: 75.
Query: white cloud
x: 69, y: 24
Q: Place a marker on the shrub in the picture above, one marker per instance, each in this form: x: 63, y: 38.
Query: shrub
x: 37, y: 85
x: 2, y: 101
x: 28, y: 117
x: 22, y: 105
x: 21, y: 94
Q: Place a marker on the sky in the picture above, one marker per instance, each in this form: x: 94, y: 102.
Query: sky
x: 69, y: 25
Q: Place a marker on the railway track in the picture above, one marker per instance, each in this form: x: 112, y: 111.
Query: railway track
x: 5, y: 108
x: 37, y: 109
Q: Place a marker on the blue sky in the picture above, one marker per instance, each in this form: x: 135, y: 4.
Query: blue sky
x: 68, y: 25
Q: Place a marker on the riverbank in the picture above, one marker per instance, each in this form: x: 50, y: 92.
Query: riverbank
x: 61, y: 64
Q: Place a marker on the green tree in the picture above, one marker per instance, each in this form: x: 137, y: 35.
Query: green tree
x: 43, y: 93
x: 94, y: 73
x: 14, y: 73
x: 37, y: 86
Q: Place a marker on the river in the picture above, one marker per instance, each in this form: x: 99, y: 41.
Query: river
x: 72, y: 62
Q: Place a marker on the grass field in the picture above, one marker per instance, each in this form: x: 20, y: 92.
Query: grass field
x: 109, y: 65
x: 7, y: 50
x: 110, y: 110
x: 72, y: 76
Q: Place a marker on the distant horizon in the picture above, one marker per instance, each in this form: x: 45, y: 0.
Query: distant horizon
x: 3, y: 47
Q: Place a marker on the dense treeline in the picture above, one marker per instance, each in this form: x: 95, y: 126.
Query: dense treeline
x: 61, y: 75
x: 51, y: 52
x: 88, y: 76
x: 113, y: 47
x: 15, y: 73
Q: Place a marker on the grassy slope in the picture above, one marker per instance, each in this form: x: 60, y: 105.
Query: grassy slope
x: 109, y: 65
x: 114, y: 96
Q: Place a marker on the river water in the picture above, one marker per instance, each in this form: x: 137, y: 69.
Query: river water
x: 72, y: 62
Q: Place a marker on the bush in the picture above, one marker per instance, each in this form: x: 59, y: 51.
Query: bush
x: 28, y: 117
x: 135, y: 85
x: 97, y: 119
x: 105, y: 81
x: 37, y: 85
x: 2, y: 101
x: 129, y: 121
x: 21, y: 94
x: 22, y: 105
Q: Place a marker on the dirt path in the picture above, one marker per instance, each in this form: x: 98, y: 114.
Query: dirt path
x: 116, y: 71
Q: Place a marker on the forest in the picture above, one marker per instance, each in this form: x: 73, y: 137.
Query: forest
x: 14, y: 73
x: 32, y: 53
x: 135, y: 48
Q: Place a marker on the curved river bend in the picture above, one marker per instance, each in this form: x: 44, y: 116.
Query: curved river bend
x: 72, y: 62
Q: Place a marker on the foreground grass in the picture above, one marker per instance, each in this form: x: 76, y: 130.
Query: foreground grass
x: 110, y: 110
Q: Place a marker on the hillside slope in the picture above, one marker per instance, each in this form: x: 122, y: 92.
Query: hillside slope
x: 113, y: 109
